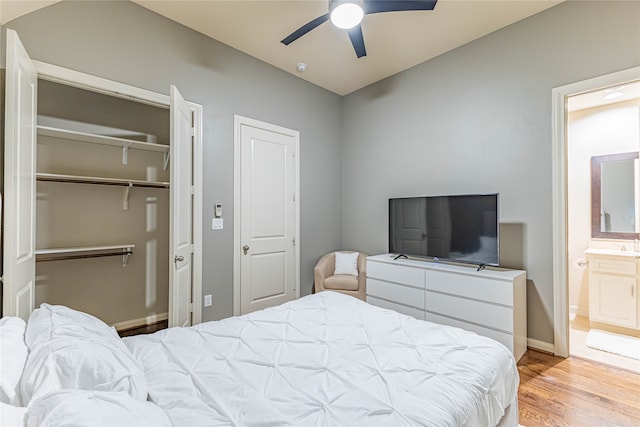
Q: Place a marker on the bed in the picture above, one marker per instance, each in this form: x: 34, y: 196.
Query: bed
x: 324, y: 359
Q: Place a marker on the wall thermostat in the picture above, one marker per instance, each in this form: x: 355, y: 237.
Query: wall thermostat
x: 218, y: 210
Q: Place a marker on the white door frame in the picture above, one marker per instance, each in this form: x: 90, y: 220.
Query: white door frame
x: 97, y: 84
x: 559, y: 194
x: 238, y: 122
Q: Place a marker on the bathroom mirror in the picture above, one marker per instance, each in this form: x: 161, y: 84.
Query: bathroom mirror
x: 614, y: 196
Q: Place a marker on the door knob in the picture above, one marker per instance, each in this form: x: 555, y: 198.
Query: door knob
x: 245, y: 248
x: 178, y: 258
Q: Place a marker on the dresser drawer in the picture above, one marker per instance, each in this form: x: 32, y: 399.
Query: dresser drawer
x: 490, y: 315
x: 409, y: 311
x: 396, y: 273
x: 613, y: 266
x: 406, y: 295
x: 502, y: 337
x: 471, y: 286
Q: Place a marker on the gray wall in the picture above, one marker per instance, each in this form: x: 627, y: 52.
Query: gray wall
x: 476, y: 120
x: 124, y: 42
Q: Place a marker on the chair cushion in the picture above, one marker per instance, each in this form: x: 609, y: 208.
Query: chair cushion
x: 341, y: 281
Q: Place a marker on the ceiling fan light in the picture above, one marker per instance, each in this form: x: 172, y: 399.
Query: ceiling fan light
x: 347, y: 15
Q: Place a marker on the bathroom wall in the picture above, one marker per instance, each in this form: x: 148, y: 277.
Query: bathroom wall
x: 609, y: 129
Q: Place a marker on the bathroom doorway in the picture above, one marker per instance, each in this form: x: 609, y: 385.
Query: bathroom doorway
x: 603, y: 129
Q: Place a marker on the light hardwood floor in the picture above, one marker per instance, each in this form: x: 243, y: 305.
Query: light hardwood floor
x: 576, y: 392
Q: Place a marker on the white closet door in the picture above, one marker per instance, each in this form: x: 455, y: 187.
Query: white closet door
x: 20, y: 185
x: 180, y: 233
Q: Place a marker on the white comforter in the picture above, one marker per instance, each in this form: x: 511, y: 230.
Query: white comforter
x: 326, y: 359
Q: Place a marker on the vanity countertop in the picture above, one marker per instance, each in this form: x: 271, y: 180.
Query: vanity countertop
x: 612, y: 252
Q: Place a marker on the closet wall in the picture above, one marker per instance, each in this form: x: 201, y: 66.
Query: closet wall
x: 88, y: 215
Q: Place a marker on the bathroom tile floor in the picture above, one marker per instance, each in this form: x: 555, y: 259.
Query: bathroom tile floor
x: 578, y: 330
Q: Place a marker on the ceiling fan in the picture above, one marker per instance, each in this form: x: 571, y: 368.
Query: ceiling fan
x: 347, y: 14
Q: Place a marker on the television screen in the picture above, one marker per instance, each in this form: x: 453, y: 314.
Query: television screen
x: 461, y: 228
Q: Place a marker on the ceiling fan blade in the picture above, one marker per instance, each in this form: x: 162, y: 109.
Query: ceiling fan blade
x: 377, y: 6
x: 305, y: 29
x: 357, y: 40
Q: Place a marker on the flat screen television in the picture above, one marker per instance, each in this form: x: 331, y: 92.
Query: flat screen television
x: 460, y: 228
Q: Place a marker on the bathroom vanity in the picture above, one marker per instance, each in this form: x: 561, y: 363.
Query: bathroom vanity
x: 613, y: 287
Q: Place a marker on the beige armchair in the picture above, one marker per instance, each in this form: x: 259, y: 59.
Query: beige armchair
x: 325, y: 280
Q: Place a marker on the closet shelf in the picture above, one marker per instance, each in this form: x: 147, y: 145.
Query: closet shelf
x: 53, y: 177
x: 60, y: 254
x: 101, y: 139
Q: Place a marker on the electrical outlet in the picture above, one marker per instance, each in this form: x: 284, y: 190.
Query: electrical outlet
x: 208, y: 300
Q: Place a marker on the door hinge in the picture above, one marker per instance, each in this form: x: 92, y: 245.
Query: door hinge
x: 294, y: 241
x: 193, y: 189
x: 190, y: 307
x: 193, y: 131
x: 193, y: 249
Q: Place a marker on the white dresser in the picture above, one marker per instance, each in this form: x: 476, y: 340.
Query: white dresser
x: 489, y: 302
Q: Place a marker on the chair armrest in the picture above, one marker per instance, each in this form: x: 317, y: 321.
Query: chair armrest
x: 362, y: 275
x: 323, y: 269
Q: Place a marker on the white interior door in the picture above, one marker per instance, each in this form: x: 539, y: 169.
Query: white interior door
x: 181, y: 202
x: 268, y: 215
x: 439, y: 226
x: 20, y: 184
x: 410, y: 219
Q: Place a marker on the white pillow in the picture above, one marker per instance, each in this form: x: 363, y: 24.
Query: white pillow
x: 69, y: 349
x: 71, y: 408
x: 13, y: 355
x: 346, y: 263
x: 12, y: 416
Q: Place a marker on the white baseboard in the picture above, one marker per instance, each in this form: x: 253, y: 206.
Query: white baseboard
x: 575, y: 310
x: 541, y: 345
x: 141, y: 321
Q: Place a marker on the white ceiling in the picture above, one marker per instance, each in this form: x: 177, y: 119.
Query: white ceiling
x: 610, y: 95
x: 394, y: 41
x: 11, y: 9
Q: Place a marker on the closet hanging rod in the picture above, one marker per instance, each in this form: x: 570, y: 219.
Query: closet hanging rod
x: 51, y: 177
x: 46, y: 258
x: 78, y: 249
x: 60, y: 254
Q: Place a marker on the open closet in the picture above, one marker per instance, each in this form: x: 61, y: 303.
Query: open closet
x: 102, y: 205
x: 102, y: 197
